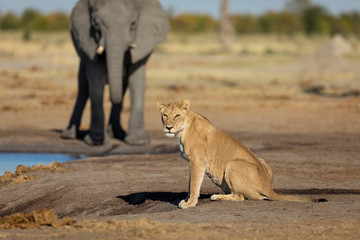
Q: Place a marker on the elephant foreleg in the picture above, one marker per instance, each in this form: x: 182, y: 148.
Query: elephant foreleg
x: 83, y: 94
x: 115, y: 129
x: 96, y: 74
x: 136, y: 132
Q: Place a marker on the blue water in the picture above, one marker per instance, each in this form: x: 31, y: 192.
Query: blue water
x: 9, y: 161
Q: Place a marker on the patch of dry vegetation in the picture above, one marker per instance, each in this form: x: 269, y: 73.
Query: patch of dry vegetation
x: 49, y: 227
x: 22, y: 173
x: 41, y: 74
x: 34, y: 219
x: 129, y: 229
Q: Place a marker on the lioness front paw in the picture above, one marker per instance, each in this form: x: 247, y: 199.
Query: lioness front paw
x: 186, y: 204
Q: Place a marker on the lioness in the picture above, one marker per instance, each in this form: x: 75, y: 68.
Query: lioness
x: 228, y: 163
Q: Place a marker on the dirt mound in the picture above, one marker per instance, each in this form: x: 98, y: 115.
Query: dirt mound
x: 336, y: 47
x: 330, y: 60
x: 34, y: 219
x: 21, y: 174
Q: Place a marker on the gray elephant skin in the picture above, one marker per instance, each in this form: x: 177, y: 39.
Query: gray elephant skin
x: 114, y: 39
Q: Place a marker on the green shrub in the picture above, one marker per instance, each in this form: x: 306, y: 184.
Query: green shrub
x: 193, y: 23
x: 33, y: 20
x: 245, y: 24
x: 316, y: 20
x: 300, y: 17
x: 10, y: 22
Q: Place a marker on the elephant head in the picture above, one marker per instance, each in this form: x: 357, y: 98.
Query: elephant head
x: 111, y: 27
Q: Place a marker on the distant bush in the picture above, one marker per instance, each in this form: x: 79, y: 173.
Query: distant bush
x: 53, y: 22
x: 279, y: 23
x: 58, y: 21
x: 10, y: 22
x: 34, y: 20
x: 308, y: 19
x: 245, y: 24
x: 29, y: 15
x: 316, y: 20
x: 349, y: 23
x: 192, y: 23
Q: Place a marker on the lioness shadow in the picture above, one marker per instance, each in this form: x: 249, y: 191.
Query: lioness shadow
x: 169, y: 197
x: 175, y: 197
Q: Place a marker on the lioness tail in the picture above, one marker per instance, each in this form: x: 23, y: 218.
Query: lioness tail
x: 293, y: 198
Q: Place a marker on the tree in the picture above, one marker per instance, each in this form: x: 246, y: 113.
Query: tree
x: 349, y: 23
x: 316, y: 20
x: 227, y: 32
x: 245, y: 24
x: 29, y: 15
x: 58, y: 21
x: 297, y: 6
x: 355, y: 22
x: 190, y: 23
x: 279, y: 23
x: 10, y: 22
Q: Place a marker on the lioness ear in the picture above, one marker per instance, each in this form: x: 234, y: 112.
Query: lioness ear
x: 185, y: 104
x: 160, y: 105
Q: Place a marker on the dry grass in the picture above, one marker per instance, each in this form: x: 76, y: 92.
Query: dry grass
x: 41, y: 73
x: 21, y: 174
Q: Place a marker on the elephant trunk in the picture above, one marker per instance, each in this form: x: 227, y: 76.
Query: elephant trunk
x: 115, y: 51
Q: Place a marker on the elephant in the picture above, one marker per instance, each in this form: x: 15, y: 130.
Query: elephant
x: 114, y: 39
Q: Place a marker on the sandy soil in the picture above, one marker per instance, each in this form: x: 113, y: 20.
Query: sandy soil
x: 311, y: 140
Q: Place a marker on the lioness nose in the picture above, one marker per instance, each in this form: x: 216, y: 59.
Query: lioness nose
x: 168, y: 128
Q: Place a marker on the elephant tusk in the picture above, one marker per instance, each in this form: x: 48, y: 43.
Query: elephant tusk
x: 132, y: 45
x: 100, y: 49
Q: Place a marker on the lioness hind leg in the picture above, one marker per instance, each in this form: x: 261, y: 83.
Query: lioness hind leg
x: 247, y: 179
x: 227, y: 197
x: 268, y: 170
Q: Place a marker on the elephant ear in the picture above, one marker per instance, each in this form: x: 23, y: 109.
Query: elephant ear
x: 81, y: 29
x: 152, y: 28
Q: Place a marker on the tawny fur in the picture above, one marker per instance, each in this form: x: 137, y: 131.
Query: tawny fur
x: 228, y: 163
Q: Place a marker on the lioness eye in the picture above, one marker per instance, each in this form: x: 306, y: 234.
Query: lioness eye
x: 165, y: 115
x: 177, y: 115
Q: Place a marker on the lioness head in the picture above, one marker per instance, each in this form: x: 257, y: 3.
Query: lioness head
x: 174, y: 116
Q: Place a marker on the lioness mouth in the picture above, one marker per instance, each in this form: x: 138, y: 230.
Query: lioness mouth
x: 172, y: 134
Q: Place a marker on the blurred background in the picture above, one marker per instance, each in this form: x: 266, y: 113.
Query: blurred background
x: 325, y: 17
x: 279, y: 55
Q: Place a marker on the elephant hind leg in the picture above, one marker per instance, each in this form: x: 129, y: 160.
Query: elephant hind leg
x: 136, y: 133
x: 69, y: 133
x: 72, y: 131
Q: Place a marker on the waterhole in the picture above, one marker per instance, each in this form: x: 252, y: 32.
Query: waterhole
x: 9, y: 161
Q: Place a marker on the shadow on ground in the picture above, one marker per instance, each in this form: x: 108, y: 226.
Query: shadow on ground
x: 175, y: 197
x: 169, y: 197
